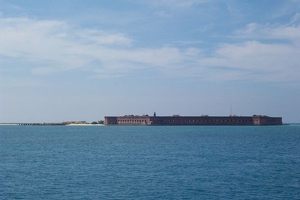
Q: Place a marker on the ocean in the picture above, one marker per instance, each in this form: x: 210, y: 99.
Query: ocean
x: 150, y: 162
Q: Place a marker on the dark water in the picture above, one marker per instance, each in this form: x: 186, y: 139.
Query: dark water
x: 149, y: 162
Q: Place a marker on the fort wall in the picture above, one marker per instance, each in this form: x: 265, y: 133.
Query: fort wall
x: 192, y: 120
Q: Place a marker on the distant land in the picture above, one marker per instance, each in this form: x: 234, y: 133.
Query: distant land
x: 67, y: 123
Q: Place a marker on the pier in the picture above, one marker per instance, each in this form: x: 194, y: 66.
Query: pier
x: 41, y: 124
x: 33, y: 124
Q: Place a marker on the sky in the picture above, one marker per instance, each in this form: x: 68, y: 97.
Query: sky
x: 83, y: 60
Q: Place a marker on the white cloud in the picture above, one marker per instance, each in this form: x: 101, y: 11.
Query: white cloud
x: 171, y: 8
x: 37, y: 41
x: 104, y: 38
x: 295, y: 19
x: 179, y: 3
x: 52, y: 46
x: 270, y: 54
x: 55, y: 46
x: 257, y: 31
x: 257, y: 61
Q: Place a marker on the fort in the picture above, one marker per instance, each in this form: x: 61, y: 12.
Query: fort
x: 154, y: 120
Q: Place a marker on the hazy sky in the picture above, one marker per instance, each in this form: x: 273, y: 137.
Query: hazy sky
x: 84, y: 59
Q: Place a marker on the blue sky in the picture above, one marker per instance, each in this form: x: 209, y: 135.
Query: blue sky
x: 83, y: 60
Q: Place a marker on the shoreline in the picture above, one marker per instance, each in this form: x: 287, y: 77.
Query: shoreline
x: 84, y: 125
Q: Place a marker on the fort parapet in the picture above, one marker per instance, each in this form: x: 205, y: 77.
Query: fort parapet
x: 192, y: 120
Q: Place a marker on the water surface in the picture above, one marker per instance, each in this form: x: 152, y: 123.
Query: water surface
x: 142, y: 162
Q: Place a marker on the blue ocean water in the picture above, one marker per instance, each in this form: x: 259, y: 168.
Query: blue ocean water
x: 142, y: 162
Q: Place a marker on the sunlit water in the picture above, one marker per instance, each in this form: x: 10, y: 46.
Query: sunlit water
x: 200, y: 162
